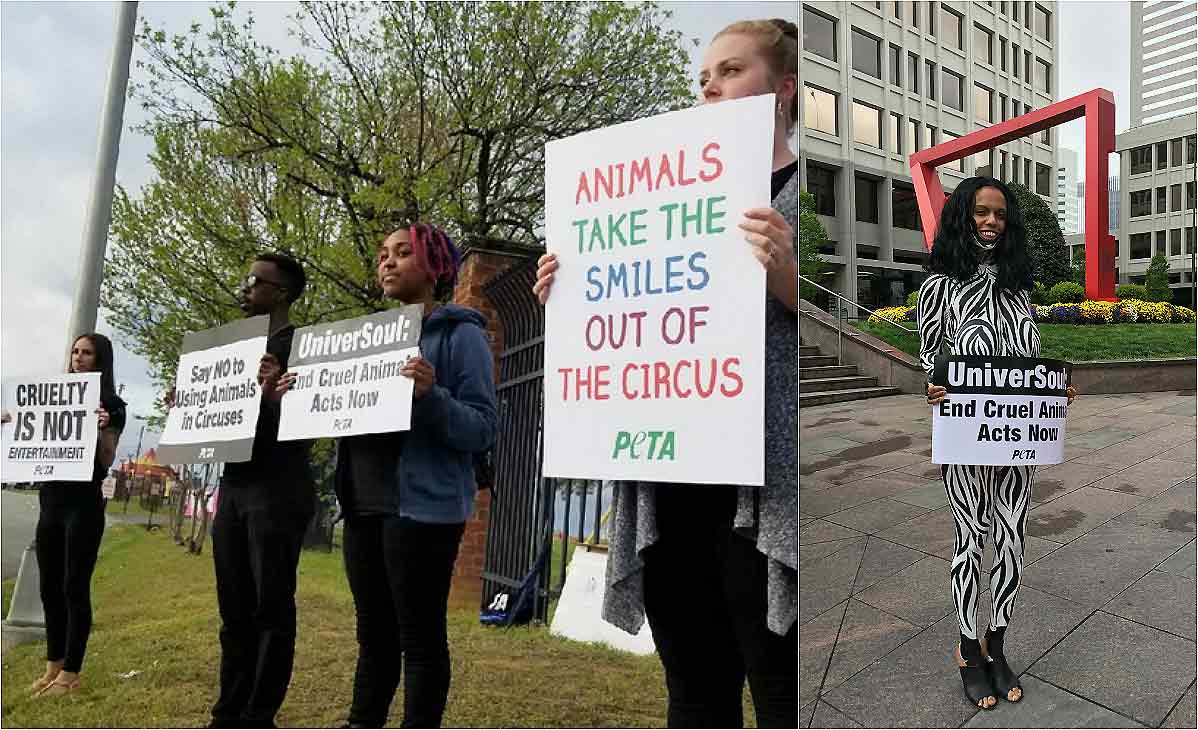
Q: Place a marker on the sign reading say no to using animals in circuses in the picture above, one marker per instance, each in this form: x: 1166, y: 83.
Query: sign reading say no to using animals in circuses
x: 655, y: 329
x: 1001, y: 411
x: 53, y: 431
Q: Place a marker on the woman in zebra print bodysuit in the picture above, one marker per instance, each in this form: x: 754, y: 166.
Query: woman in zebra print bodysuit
x: 976, y: 302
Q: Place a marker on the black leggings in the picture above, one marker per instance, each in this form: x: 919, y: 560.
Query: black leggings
x: 69, y: 527
x: 399, y: 572
x: 705, y: 598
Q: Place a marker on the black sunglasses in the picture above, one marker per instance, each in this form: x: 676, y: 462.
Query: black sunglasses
x: 250, y: 281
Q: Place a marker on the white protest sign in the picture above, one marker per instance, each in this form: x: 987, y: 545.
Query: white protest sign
x: 347, y: 376
x: 217, y: 397
x: 579, y: 613
x: 655, y: 329
x: 1001, y: 411
x: 54, y: 428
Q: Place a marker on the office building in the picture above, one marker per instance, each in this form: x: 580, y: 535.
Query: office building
x: 1067, y: 200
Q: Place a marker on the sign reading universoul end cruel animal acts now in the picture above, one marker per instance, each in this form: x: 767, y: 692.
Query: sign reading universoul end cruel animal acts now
x: 217, y: 396
x: 53, y: 431
x: 347, y: 376
x: 1001, y: 411
x: 655, y: 328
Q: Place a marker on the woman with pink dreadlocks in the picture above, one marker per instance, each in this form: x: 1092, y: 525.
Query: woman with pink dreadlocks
x: 407, y: 495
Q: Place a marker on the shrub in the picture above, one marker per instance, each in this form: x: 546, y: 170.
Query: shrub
x: 913, y: 299
x: 1132, y: 291
x: 1183, y: 315
x: 1066, y: 292
x: 1156, y: 281
x: 893, y: 314
x: 1039, y: 294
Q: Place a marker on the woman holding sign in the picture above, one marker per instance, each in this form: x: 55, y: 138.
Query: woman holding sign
x: 69, y: 527
x: 406, y: 496
x: 976, y: 302
x: 714, y: 568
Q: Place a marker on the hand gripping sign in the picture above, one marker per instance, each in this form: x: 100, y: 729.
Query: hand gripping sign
x: 53, y: 432
x: 217, y: 396
x: 655, y: 330
x: 1001, y: 411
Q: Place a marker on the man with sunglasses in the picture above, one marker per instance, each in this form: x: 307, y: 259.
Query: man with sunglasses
x: 265, y: 506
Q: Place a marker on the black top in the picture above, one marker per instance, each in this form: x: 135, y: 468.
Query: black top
x: 779, y: 178
x: 272, y: 460
x: 373, y: 471
x: 116, y: 421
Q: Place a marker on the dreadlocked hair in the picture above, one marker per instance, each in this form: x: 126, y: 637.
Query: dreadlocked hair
x: 437, y: 256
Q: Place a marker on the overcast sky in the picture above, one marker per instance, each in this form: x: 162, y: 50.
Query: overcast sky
x: 53, y: 65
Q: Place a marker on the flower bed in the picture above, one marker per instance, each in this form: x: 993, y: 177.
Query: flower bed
x: 1088, y: 312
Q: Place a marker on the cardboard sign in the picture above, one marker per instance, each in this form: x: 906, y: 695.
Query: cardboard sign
x: 217, y: 397
x: 54, y: 428
x: 1001, y: 411
x: 347, y: 376
x: 655, y: 329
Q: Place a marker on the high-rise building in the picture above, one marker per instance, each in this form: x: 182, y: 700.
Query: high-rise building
x: 1067, y: 191
x: 1164, y: 60
x: 1112, y: 205
x: 881, y: 80
x: 1159, y: 153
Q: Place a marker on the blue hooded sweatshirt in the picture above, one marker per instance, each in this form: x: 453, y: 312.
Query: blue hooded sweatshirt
x: 434, y: 474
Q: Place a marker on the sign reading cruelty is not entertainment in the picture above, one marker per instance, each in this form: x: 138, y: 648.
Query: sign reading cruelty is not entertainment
x: 53, y: 431
x: 1001, y: 411
x: 655, y: 331
x: 217, y: 397
x: 347, y: 376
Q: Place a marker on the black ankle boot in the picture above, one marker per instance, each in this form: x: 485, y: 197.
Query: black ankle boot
x: 975, y: 675
x: 1003, y: 678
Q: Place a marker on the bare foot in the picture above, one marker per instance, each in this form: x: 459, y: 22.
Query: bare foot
x: 52, y: 671
x: 64, y: 683
x: 989, y: 700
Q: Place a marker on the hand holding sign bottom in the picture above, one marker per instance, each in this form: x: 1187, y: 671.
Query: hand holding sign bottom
x: 422, y: 374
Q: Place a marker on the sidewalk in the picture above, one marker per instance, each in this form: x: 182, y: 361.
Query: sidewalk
x: 1103, y: 632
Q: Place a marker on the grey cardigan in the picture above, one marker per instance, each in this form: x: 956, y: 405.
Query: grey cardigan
x: 769, y: 515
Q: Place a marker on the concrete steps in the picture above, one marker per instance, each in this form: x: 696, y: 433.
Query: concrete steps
x: 823, y: 381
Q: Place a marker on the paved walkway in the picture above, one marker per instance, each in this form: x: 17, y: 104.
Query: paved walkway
x: 1103, y: 632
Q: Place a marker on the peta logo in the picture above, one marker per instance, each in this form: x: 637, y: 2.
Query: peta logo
x: 644, y: 446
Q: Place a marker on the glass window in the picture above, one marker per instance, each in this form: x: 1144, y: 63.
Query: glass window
x: 1175, y: 198
x: 1015, y: 10
x: 1141, y: 245
x: 983, y: 45
x: 931, y: 19
x: 1160, y: 200
x: 1162, y: 155
x: 1027, y: 67
x: 867, y: 199
x: 821, y: 182
x: 958, y: 165
x: 953, y: 90
x: 896, y: 66
x: 819, y: 33
x: 895, y: 139
x: 1015, y: 60
x: 930, y: 136
x: 931, y: 81
x: 950, y: 27
x: 820, y: 110
x: 1014, y: 168
x: 1027, y: 171
x: 1175, y: 242
x: 914, y: 8
x: 983, y: 163
x: 983, y: 101
x: 1141, y: 160
x: 1141, y: 203
x: 913, y: 72
x: 1192, y: 195
x: 867, y: 54
x: 1043, y: 23
x: 1174, y: 152
x: 1046, y: 136
x: 1027, y: 14
x: 1002, y: 106
x: 1043, y: 176
x: 1002, y: 165
x: 913, y: 135
x: 1191, y: 234
x: 1002, y: 8
x: 896, y: 7
x: 1002, y: 53
x: 1191, y: 149
x: 867, y: 124
x: 1043, y: 76
x: 904, y: 208
x: 1160, y: 243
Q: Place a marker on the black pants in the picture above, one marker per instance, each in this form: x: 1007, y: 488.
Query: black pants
x: 69, y: 527
x: 256, y: 539
x: 705, y: 598
x: 399, y: 572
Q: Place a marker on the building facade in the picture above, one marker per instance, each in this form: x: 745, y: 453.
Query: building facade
x: 881, y: 80
x: 1067, y: 191
x: 1164, y: 60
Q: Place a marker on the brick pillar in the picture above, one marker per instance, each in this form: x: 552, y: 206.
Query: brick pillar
x: 478, y: 267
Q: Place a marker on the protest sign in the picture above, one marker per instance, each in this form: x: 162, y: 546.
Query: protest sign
x: 108, y: 487
x: 655, y: 329
x: 347, y: 376
x: 54, y: 428
x: 217, y: 397
x: 1001, y: 411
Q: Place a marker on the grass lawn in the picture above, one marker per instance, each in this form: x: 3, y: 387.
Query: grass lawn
x: 155, y: 613
x: 1079, y: 343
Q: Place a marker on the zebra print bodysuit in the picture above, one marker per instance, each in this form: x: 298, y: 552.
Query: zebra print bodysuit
x: 977, y: 317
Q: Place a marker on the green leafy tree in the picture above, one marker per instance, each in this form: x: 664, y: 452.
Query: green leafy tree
x: 812, y: 236
x: 1046, y: 243
x: 396, y: 112
x: 1156, y: 281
